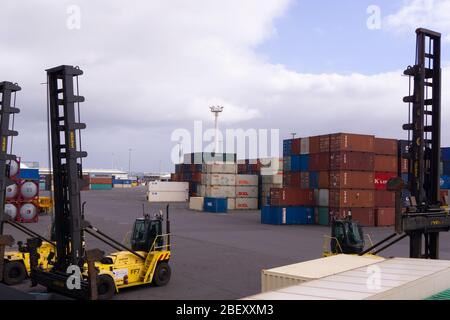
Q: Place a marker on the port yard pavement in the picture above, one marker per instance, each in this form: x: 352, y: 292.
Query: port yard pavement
x: 213, y: 256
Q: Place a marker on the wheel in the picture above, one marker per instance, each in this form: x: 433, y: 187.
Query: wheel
x: 105, y: 287
x: 162, y: 274
x: 14, y: 272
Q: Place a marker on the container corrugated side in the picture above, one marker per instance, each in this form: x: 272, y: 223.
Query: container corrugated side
x: 167, y: 186
x: 276, y: 278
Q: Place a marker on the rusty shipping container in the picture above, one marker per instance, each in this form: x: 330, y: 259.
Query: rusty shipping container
x: 295, y: 146
x: 386, y: 146
x: 351, y: 198
x: 324, y: 180
x: 314, y: 144
x: 352, y: 180
x: 384, y: 217
x: 358, y: 161
x: 385, y: 163
x: 365, y: 216
x: 304, y: 180
x: 291, y: 196
x: 384, y: 198
x: 319, y: 161
x: 351, y: 142
x: 324, y: 143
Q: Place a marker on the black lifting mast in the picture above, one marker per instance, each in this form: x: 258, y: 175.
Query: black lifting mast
x: 424, y: 218
x: 67, y: 180
x: 7, y: 89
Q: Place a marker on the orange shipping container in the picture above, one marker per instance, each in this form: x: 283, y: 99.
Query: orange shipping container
x: 352, y: 180
x: 385, y: 163
x: 324, y: 180
x: 314, y: 144
x: 351, y: 142
x: 351, y: 198
x: 386, y: 146
x: 100, y: 180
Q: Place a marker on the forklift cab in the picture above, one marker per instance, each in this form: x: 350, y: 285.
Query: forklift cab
x: 346, y: 237
x: 145, y: 231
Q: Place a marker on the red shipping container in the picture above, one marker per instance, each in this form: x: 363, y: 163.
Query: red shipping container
x: 385, y: 217
x: 384, y: 199
x: 314, y: 144
x: 324, y: 179
x: 324, y: 143
x: 351, y: 198
x: 351, y: 142
x: 386, y: 163
x: 100, y: 180
x: 196, y: 177
x: 358, y: 161
x: 382, y: 178
x: 352, y: 180
x: 291, y: 196
x: 291, y: 179
x: 365, y: 216
x: 386, y: 146
x: 319, y: 161
x: 295, y: 146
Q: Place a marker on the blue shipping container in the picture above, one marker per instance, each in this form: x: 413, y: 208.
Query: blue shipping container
x: 304, y: 162
x: 215, y: 205
x: 445, y: 154
x: 445, y: 182
x: 287, y: 215
x: 446, y: 168
x: 287, y: 147
x: 29, y: 174
x: 295, y: 163
x: 313, y: 180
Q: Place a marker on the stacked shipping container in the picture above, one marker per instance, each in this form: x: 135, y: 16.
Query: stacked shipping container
x: 100, y: 181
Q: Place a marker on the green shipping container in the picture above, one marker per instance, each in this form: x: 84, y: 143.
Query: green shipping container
x: 97, y: 186
x: 324, y: 216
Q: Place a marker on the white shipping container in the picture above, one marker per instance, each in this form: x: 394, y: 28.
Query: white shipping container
x: 196, y: 203
x: 246, y: 203
x: 246, y: 180
x: 220, y: 191
x: 219, y: 179
x: 277, y: 278
x: 220, y: 168
x: 400, y: 279
x: 246, y: 191
x: 231, y: 203
x: 323, y: 198
x: 167, y: 196
x: 168, y: 186
x: 304, y: 146
x: 271, y: 166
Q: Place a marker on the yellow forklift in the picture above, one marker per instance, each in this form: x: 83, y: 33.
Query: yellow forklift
x: 99, y: 276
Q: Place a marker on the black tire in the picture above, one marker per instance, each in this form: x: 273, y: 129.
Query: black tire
x: 105, y: 287
x: 14, y: 272
x: 162, y: 274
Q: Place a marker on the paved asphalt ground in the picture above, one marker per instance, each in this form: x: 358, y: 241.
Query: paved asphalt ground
x: 213, y: 256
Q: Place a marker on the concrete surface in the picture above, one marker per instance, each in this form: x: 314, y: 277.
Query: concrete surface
x: 213, y: 256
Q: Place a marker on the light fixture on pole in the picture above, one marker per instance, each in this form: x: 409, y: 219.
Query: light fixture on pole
x: 216, y: 110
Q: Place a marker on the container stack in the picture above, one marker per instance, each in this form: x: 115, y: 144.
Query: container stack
x: 386, y: 167
x: 23, y: 195
x: 246, y: 192
x: 219, y: 181
x: 269, y: 172
x: 100, y: 181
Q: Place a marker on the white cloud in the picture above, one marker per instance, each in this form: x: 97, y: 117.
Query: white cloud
x: 154, y: 66
x: 431, y: 14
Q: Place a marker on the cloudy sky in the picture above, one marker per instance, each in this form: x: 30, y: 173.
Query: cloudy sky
x: 310, y: 67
